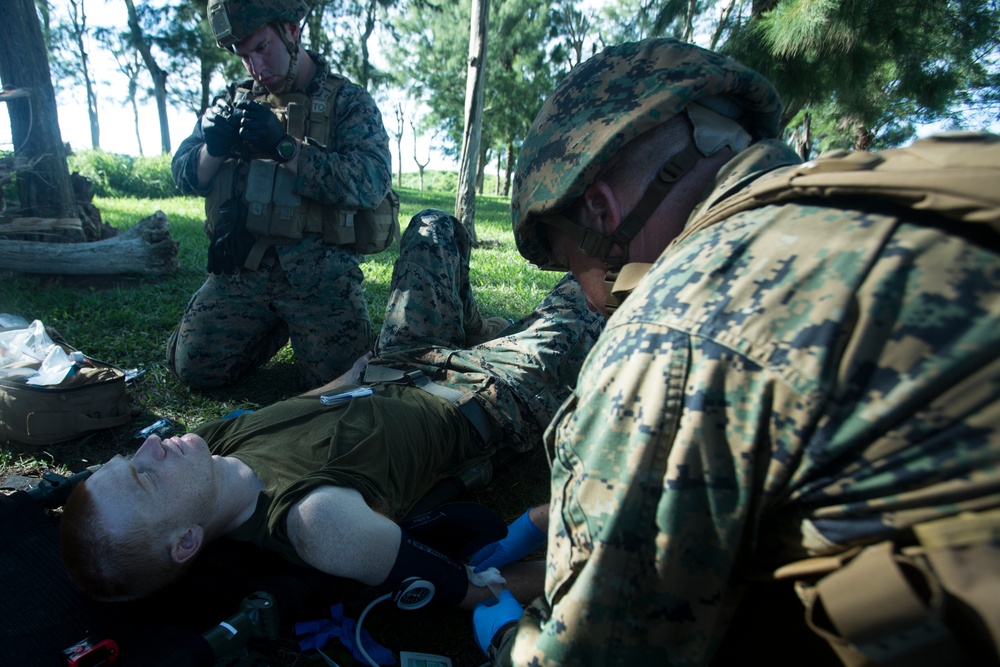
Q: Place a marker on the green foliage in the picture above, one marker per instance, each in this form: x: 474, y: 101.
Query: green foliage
x: 868, y: 72
x: 115, y: 175
x: 430, y: 61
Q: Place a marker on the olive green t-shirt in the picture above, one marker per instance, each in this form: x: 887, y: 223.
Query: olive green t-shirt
x: 392, y: 446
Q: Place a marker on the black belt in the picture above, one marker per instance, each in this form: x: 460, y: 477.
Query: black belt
x: 471, y: 409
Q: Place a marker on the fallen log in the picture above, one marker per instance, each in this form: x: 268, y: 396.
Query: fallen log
x: 39, y: 225
x: 144, y: 248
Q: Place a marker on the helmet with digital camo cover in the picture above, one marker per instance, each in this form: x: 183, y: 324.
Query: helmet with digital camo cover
x: 609, y: 100
x: 234, y: 20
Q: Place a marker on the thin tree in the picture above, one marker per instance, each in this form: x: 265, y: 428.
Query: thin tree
x: 420, y: 165
x: 397, y: 132
x: 129, y: 63
x: 157, y: 73
x: 465, y: 199
x: 77, y: 33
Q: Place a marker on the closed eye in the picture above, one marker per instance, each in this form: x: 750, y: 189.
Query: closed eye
x: 145, y: 477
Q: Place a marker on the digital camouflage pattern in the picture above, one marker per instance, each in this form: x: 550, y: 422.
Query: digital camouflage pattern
x: 611, y: 99
x: 520, y: 377
x: 785, y: 382
x: 308, y: 290
x: 234, y: 20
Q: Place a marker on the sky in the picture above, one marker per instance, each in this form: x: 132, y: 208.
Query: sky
x: 117, y: 123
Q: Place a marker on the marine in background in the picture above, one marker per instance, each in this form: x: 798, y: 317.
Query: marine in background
x: 287, y: 159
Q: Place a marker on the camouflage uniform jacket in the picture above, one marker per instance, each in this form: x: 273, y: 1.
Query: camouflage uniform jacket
x: 789, y: 380
x: 355, y: 171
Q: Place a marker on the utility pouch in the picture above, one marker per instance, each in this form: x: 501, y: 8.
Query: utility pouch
x: 341, y: 230
x: 930, y: 604
x: 92, y: 397
x: 376, y: 228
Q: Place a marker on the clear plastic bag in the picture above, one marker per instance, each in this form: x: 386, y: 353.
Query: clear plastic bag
x: 29, y: 353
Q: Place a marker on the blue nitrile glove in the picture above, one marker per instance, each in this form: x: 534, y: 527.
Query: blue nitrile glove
x: 316, y: 634
x: 490, y: 616
x: 523, y: 537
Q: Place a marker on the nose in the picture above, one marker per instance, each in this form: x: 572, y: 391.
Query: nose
x: 151, y: 448
x: 254, y: 64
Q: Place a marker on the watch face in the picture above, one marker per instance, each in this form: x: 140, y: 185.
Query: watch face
x: 286, y: 149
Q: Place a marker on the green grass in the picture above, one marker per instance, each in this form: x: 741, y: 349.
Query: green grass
x: 126, y: 320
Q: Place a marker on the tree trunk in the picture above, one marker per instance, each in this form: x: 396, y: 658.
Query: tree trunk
x: 45, y: 189
x: 465, y: 200
x: 803, y: 137
x: 366, y: 66
x: 78, y: 18
x: 509, y: 171
x: 145, y: 248
x: 155, y: 71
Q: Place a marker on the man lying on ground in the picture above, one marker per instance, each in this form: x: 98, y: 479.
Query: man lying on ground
x: 324, y: 484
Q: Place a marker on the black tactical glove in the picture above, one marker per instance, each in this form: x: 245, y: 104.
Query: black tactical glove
x: 231, y: 242
x: 260, y: 128
x: 221, y: 128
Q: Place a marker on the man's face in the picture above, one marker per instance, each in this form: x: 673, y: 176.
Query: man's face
x: 265, y: 57
x: 588, y: 270
x: 170, y: 482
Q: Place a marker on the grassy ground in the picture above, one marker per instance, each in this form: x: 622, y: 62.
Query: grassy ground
x: 126, y: 321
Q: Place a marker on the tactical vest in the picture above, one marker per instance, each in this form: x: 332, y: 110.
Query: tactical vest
x: 274, y: 213
x: 936, y: 602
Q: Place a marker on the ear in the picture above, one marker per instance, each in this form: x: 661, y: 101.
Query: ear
x: 601, y: 207
x: 187, y: 544
x: 293, y: 30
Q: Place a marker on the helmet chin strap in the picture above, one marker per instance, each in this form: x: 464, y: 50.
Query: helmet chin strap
x: 293, y: 62
x: 619, y: 284
x: 668, y: 175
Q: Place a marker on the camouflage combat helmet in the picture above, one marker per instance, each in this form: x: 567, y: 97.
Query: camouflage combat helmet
x: 606, y: 102
x: 233, y: 20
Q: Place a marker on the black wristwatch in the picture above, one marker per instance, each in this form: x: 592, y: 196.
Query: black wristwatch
x: 286, y: 148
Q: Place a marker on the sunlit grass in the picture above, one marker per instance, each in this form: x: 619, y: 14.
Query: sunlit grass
x: 126, y: 320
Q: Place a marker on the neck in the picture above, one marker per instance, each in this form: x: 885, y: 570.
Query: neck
x: 306, y: 71
x: 238, y: 487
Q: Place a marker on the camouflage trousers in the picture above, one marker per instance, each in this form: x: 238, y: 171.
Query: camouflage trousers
x: 522, y: 376
x: 310, y: 292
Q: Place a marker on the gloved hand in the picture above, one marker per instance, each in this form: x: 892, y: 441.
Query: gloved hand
x: 523, y: 537
x: 231, y: 242
x: 490, y: 616
x: 259, y: 127
x: 221, y: 129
